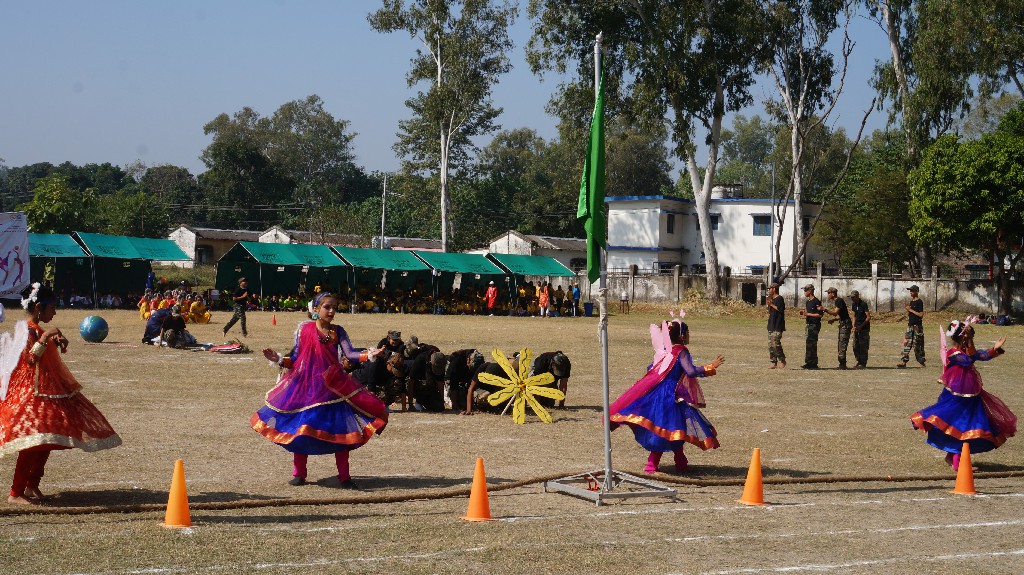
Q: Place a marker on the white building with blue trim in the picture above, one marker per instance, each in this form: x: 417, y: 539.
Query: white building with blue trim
x: 658, y: 232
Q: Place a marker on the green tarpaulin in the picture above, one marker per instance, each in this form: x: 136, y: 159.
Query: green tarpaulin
x: 283, y: 269
x: 381, y: 259
x: 393, y: 269
x: 521, y: 265
x: 129, y: 248
x: 472, y: 271
x: 70, y: 266
x: 121, y: 263
x: 54, y: 246
x: 460, y: 263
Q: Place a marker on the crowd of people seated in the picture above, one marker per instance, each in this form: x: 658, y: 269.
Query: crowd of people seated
x: 527, y: 300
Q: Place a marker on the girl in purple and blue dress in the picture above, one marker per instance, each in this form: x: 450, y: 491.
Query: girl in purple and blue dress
x: 965, y: 412
x: 663, y: 407
x: 317, y: 408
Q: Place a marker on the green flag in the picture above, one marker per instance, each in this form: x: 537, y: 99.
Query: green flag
x: 591, y: 204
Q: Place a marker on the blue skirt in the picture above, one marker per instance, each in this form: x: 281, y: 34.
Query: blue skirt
x: 954, y: 420
x: 660, y: 423
x: 319, y: 430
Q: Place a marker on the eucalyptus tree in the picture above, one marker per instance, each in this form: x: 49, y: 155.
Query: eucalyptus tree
x: 687, y: 63
x: 809, y: 79
x: 462, y: 54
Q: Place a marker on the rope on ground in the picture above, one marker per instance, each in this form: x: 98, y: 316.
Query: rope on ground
x: 434, y: 494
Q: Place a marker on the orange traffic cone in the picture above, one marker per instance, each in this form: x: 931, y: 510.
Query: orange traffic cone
x: 479, y: 509
x: 177, y: 503
x: 965, y: 473
x: 753, y: 490
x: 273, y: 319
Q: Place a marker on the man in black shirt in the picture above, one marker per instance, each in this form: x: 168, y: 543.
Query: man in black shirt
x: 812, y: 312
x: 914, y: 338
x: 861, y: 329
x: 239, y: 300
x: 845, y: 325
x: 393, y: 342
x: 776, y: 325
x: 172, y: 331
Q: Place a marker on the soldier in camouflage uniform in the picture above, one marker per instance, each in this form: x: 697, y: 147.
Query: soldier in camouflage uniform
x: 842, y: 315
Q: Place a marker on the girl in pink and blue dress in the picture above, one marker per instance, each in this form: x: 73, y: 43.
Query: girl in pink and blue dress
x: 965, y: 412
x: 317, y: 408
x: 662, y: 407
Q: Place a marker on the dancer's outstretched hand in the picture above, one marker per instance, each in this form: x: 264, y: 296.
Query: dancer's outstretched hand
x: 271, y: 355
x: 718, y: 361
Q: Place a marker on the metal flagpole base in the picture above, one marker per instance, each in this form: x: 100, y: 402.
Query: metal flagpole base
x: 591, y: 485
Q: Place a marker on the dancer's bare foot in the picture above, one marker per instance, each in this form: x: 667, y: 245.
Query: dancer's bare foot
x: 20, y: 500
x: 34, y: 493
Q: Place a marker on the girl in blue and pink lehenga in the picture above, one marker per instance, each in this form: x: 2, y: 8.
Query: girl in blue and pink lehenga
x: 663, y: 407
x: 965, y: 412
x: 317, y: 408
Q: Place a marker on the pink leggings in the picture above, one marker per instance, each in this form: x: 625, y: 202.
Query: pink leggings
x: 340, y: 458
x: 29, y: 470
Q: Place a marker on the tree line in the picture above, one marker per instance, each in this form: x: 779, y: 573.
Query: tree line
x: 677, y: 75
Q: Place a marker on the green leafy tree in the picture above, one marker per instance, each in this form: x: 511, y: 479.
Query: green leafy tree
x: 748, y: 155
x: 463, y: 54
x: 970, y: 195
x: 58, y: 208
x: 242, y: 187
x: 692, y: 61
x: 131, y: 212
x: 314, y: 150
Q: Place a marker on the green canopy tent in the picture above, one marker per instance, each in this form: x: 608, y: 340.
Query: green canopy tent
x: 387, y: 269
x: 72, y: 267
x: 469, y: 272
x: 281, y: 269
x: 121, y: 263
x: 521, y: 266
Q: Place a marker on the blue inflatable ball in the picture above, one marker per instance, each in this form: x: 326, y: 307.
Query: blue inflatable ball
x: 94, y: 329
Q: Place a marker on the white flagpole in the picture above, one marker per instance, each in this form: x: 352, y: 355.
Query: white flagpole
x: 615, y: 485
x: 603, y: 306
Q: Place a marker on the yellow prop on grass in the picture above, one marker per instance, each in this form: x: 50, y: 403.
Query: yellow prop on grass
x: 520, y: 389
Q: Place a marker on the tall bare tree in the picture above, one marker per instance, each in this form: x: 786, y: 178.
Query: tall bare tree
x: 463, y: 53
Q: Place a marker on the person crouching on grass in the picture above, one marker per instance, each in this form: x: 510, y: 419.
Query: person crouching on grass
x: 317, y: 408
x: 662, y: 407
x: 41, y: 405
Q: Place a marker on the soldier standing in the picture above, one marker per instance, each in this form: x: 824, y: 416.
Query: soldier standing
x: 914, y: 338
x: 845, y: 325
x: 812, y: 312
x: 776, y: 325
x: 861, y: 329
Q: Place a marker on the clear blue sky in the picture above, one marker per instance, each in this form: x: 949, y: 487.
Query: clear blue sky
x: 118, y: 81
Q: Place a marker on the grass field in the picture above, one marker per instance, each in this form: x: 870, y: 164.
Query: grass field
x: 195, y: 406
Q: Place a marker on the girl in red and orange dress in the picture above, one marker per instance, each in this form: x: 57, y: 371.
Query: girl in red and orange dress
x: 41, y: 405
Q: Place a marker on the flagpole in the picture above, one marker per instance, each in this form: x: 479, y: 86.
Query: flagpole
x: 602, y: 294
x: 603, y: 484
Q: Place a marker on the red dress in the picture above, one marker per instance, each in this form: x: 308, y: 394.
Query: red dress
x: 44, y: 407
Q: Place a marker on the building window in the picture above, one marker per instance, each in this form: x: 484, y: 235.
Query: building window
x: 671, y: 223
x: 714, y: 222
x: 762, y: 225
x: 807, y: 226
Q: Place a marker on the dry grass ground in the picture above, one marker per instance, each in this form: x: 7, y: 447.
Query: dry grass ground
x: 195, y: 406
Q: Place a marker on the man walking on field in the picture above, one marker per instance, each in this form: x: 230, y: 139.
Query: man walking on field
x: 776, y: 325
x: 914, y: 338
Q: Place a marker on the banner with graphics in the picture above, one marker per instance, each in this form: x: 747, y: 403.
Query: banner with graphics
x: 14, y: 261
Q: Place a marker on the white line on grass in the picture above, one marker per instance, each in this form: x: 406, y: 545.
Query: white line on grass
x: 865, y: 563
